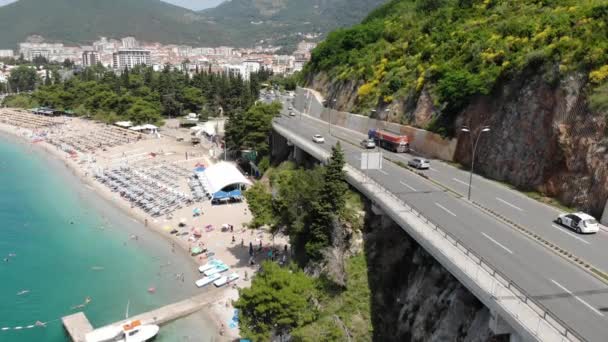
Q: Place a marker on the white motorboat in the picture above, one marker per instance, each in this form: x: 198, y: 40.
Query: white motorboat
x: 132, y: 331
x: 226, y: 279
x: 217, y: 269
x: 207, y: 280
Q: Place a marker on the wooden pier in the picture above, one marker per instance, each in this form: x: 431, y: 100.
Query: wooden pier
x: 77, y: 325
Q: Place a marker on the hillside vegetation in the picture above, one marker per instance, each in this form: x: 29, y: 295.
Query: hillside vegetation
x: 280, y: 21
x: 457, y: 49
x: 234, y: 23
x: 83, y: 21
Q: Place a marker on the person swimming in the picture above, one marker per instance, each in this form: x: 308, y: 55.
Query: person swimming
x: 87, y: 300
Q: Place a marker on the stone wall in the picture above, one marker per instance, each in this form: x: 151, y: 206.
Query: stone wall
x: 422, y: 142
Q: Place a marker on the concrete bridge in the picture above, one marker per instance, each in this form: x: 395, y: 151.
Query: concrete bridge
x: 516, y: 297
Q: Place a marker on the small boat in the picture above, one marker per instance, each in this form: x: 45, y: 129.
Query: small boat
x: 207, y: 280
x: 209, y: 265
x: 226, y: 279
x: 132, y: 331
x: 22, y: 292
x: 217, y: 269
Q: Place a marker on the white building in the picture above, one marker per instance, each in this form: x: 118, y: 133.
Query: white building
x: 46, y: 50
x: 90, y: 58
x: 128, y: 58
x: 244, y: 69
x: 129, y: 43
x: 6, y: 53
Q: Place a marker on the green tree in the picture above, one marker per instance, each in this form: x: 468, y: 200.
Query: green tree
x: 278, y: 301
x: 327, y: 209
x: 23, y: 78
x: 259, y: 201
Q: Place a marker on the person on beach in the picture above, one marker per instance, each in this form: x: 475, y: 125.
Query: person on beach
x: 242, y: 242
x: 233, y: 239
x: 250, y: 248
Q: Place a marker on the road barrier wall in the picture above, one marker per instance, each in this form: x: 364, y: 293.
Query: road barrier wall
x: 423, y: 142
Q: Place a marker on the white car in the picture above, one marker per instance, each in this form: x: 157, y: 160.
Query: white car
x: 368, y: 143
x: 579, y: 222
x: 292, y: 114
x: 419, y: 163
x: 318, y: 138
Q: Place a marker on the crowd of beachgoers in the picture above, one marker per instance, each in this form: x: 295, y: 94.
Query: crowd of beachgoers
x: 153, y: 178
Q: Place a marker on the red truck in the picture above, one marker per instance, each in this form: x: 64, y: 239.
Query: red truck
x: 390, y: 141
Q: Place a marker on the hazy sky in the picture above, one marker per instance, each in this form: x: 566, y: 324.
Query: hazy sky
x: 191, y: 4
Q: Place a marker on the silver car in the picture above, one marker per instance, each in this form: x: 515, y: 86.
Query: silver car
x: 420, y: 163
x: 368, y: 143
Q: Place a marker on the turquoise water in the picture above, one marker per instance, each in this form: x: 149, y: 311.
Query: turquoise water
x: 69, y: 245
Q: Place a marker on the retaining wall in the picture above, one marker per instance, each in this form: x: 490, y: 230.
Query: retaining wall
x: 422, y: 142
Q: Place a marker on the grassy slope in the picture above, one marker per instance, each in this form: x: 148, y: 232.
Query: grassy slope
x: 460, y: 48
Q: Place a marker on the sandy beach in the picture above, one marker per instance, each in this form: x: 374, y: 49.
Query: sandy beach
x: 106, y: 147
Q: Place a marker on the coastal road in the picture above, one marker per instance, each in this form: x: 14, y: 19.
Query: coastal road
x: 573, y: 295
x: 534, y: 216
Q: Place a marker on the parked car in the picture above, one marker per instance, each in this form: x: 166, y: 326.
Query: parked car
x: 290, y: 108
x: 368, y: 143
x: 419, y: 163
x: 579, y: 222
x: 292, y: 114
x: 318, y: 138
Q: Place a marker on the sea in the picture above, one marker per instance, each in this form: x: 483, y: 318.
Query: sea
x: 60, y: 244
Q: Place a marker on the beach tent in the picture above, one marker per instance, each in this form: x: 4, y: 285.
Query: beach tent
x: 216, y: 178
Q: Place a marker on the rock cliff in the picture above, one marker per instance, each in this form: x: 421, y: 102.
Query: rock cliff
x: 413, y: 297
x: 544, y: 138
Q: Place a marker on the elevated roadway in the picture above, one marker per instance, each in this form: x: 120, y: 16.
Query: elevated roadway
x: 569, y: 293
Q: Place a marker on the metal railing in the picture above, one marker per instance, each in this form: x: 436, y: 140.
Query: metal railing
x: 501, y: 288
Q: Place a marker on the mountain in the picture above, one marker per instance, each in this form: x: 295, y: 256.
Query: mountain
x: 279, y: 21
x: 83, y: 21
x: 235, y: 22
x: 536, y: 72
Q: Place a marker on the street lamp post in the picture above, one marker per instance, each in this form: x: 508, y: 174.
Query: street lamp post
x: 474, y: 149
x: 329, y: 108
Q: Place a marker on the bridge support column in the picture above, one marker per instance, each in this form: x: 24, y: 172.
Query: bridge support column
x: 298, y: 155
x: 500, y: 327
x: 279, y: 148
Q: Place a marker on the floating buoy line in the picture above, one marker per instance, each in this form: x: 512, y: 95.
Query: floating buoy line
x: 38, y: 324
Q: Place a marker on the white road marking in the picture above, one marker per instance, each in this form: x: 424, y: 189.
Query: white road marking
x: 497, y: 243
x: 577, y: 298
x: 383, y: 172
x: 462, y: 182
x: 407, y: 185
x: 561, y: 229
x: 445, y: 209
x: 430, y: 168
x: 509, y: 204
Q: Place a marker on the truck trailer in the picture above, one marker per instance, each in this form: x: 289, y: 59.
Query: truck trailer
x: 389, y: 141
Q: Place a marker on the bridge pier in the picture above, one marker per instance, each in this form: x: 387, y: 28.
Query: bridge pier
x: 298, y: 155
x: 501, y: 327
x: 279, y: 147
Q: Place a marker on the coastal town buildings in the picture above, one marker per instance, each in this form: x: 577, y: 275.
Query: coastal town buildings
x: 129, y: 58
x: 6, y: 53
x: 90, y: 58
x: 128, y: 52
